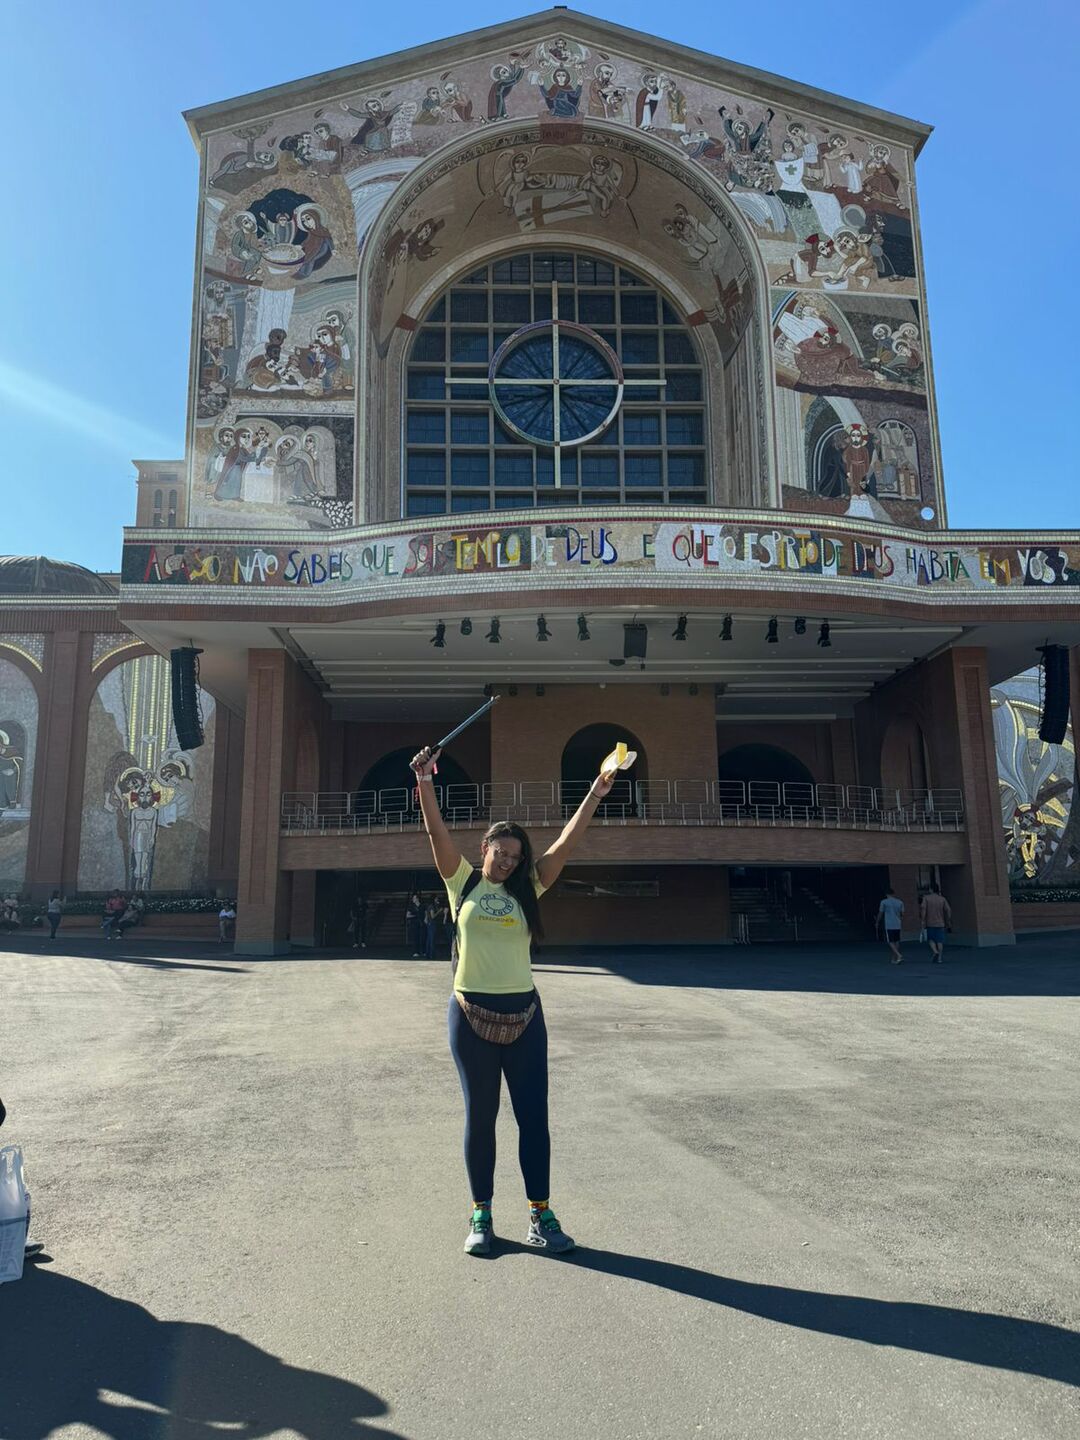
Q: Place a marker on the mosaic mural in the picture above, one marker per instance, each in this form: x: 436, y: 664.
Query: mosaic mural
x: 295, y: 469
x: 291, y: 202
x: 1037, y: 783
x: 18, y: 739
x: 146, y: 802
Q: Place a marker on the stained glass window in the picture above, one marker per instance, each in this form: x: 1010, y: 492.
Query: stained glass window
x: 506, y: 407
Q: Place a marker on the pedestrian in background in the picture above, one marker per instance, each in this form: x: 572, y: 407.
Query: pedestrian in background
x: 358, y: 922
x: 115, y: 906
x: 226, y: 922
x: 936, y: 916
x: 432, y: 912
x: 891, y: 916
x: 413, y: 921
x: 54, y: 913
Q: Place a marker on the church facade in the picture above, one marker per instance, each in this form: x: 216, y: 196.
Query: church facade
x: 564, y: 364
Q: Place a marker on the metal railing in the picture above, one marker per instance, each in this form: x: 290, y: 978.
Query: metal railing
x: 758, y: 803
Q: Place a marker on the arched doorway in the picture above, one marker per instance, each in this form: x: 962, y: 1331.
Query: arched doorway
x: 581, y: 759
x: 771, y: 776
x: 388, y: 784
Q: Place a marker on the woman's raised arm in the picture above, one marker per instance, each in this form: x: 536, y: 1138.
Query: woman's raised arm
x: 550, y: 865
x: 447, y: 855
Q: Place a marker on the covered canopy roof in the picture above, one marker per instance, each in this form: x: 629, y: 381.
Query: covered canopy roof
x: 38, y: 575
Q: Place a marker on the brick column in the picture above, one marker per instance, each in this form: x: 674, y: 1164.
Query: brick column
x: 302, y: 916
x: 904, y: 879
x: 845, y: 766
x: 979, y: 891
x: 263, y: 891
x: 226, y: 801
x: 283, y: 728
x: 56, y: 809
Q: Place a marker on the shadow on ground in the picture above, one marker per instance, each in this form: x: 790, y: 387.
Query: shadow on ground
x: 74, y: 1355
x: 1036, y: 965
x: 1003, y: 1342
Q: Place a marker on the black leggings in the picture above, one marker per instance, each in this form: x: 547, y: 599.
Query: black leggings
x: 481, y: 1065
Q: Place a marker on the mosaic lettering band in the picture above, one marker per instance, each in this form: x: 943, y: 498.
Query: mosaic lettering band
x: 732, y: 553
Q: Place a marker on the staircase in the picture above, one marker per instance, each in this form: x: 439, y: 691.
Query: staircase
x: 766, y: 918
x: 818, y: 920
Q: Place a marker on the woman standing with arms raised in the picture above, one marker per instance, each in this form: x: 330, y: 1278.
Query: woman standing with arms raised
x: 495, y: 1017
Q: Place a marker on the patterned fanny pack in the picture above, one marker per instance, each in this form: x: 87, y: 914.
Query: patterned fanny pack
x: 492, y: 1025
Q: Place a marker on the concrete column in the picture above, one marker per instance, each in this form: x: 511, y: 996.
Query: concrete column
x: 285, y: 716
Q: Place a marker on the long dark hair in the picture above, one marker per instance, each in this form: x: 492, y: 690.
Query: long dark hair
x: 520, y: 881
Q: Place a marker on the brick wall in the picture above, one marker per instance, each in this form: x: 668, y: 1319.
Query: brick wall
x: 1059, y: 916
x: 642, y: 846
x: 692, y: 908
x: 677, y: 732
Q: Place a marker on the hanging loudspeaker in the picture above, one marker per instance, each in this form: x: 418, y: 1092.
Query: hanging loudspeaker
x: 1055, y: 710
x: 187, y: 718
x: 635, y: 639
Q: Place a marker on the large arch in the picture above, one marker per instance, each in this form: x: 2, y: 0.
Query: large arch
x: 146, y: 803
x: 464, y: 204
x: 765, y: 771
x: 19, y: 710
x: 581, y: 757
x: 389, y: 776
x: 656, y: 448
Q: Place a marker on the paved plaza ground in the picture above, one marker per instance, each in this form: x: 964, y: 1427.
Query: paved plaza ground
x: 815, y: 1196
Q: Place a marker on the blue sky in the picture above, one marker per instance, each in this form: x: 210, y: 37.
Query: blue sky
x: 95, y: 304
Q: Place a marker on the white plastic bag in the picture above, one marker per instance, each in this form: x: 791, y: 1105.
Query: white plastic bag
x: 14, y: 1213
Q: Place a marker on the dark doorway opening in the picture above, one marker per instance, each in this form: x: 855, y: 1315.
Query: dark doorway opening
x: 581, y: 759
x: 392, y: 783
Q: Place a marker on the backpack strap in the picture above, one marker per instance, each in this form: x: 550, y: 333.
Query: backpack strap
x: 466, y: 890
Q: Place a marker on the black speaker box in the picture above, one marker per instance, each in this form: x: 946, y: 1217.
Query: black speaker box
x: 635, y: 641
x: 187, y: 718
x: 1055, y: 711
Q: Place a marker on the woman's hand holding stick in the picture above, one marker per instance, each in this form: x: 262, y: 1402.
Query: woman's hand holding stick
x: 447, y: 856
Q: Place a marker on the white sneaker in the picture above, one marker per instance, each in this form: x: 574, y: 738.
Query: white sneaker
x: 546, y: 1233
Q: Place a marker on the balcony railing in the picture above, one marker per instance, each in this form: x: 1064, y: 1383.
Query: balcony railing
x: 764, y: 803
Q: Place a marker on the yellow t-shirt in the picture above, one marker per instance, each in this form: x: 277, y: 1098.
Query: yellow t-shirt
x: 493, y: 938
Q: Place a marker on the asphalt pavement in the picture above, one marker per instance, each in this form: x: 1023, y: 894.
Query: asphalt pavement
x: 815, y: 1196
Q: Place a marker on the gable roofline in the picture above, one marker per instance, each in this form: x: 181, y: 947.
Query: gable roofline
x: 223, y: 114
